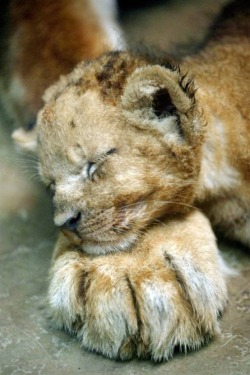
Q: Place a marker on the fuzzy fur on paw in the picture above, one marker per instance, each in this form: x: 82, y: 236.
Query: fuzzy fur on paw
x: 146, y: 302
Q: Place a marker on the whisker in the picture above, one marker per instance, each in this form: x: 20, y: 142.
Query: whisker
x: 178, y: 203
x: 160, y: 222
x: 34, y: 178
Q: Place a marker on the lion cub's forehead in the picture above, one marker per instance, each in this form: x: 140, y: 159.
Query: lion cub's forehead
x: 78, y: 126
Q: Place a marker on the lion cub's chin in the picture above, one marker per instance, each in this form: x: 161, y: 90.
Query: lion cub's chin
x: 105, y: 247
x: 101, y: 246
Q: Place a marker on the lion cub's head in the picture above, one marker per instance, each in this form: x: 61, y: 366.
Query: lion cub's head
x: 119, y: 142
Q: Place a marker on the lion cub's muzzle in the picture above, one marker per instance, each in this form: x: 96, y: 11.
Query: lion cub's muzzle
x: 100, y: 224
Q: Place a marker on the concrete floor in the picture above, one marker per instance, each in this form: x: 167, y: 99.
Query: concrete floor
x: 27, y: 344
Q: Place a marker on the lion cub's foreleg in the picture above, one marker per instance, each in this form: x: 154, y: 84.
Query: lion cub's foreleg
x: 168, y: 291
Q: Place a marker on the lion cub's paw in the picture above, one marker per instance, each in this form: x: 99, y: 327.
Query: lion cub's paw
x: 134, y: 308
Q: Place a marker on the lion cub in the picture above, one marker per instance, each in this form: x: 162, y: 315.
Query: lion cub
x: 129, y: 145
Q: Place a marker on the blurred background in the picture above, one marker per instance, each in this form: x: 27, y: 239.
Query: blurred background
x: 27, y: 233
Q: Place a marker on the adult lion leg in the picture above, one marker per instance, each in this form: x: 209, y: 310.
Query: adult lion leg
x: 168, y: 291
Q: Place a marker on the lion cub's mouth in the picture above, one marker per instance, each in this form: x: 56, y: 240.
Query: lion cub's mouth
x: 103, y: 245
x: 108, y: 231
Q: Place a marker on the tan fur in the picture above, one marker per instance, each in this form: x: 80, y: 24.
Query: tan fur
x: 128, y: 148
x: 167, y: 292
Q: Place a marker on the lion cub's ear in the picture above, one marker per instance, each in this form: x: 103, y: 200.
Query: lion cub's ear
x: 25, y: 139
x: 162, y: 99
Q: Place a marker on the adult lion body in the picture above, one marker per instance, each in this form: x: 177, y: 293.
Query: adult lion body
x: 128, y: 148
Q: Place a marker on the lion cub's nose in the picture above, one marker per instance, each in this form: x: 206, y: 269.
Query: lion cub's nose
x: 72, y: 223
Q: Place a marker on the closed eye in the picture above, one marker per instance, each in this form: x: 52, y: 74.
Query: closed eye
x: 102, y: 157
x: 111, y: 151
x: 92, y: 166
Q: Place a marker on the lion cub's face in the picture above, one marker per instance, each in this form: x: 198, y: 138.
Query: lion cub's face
x: 117, y: 160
